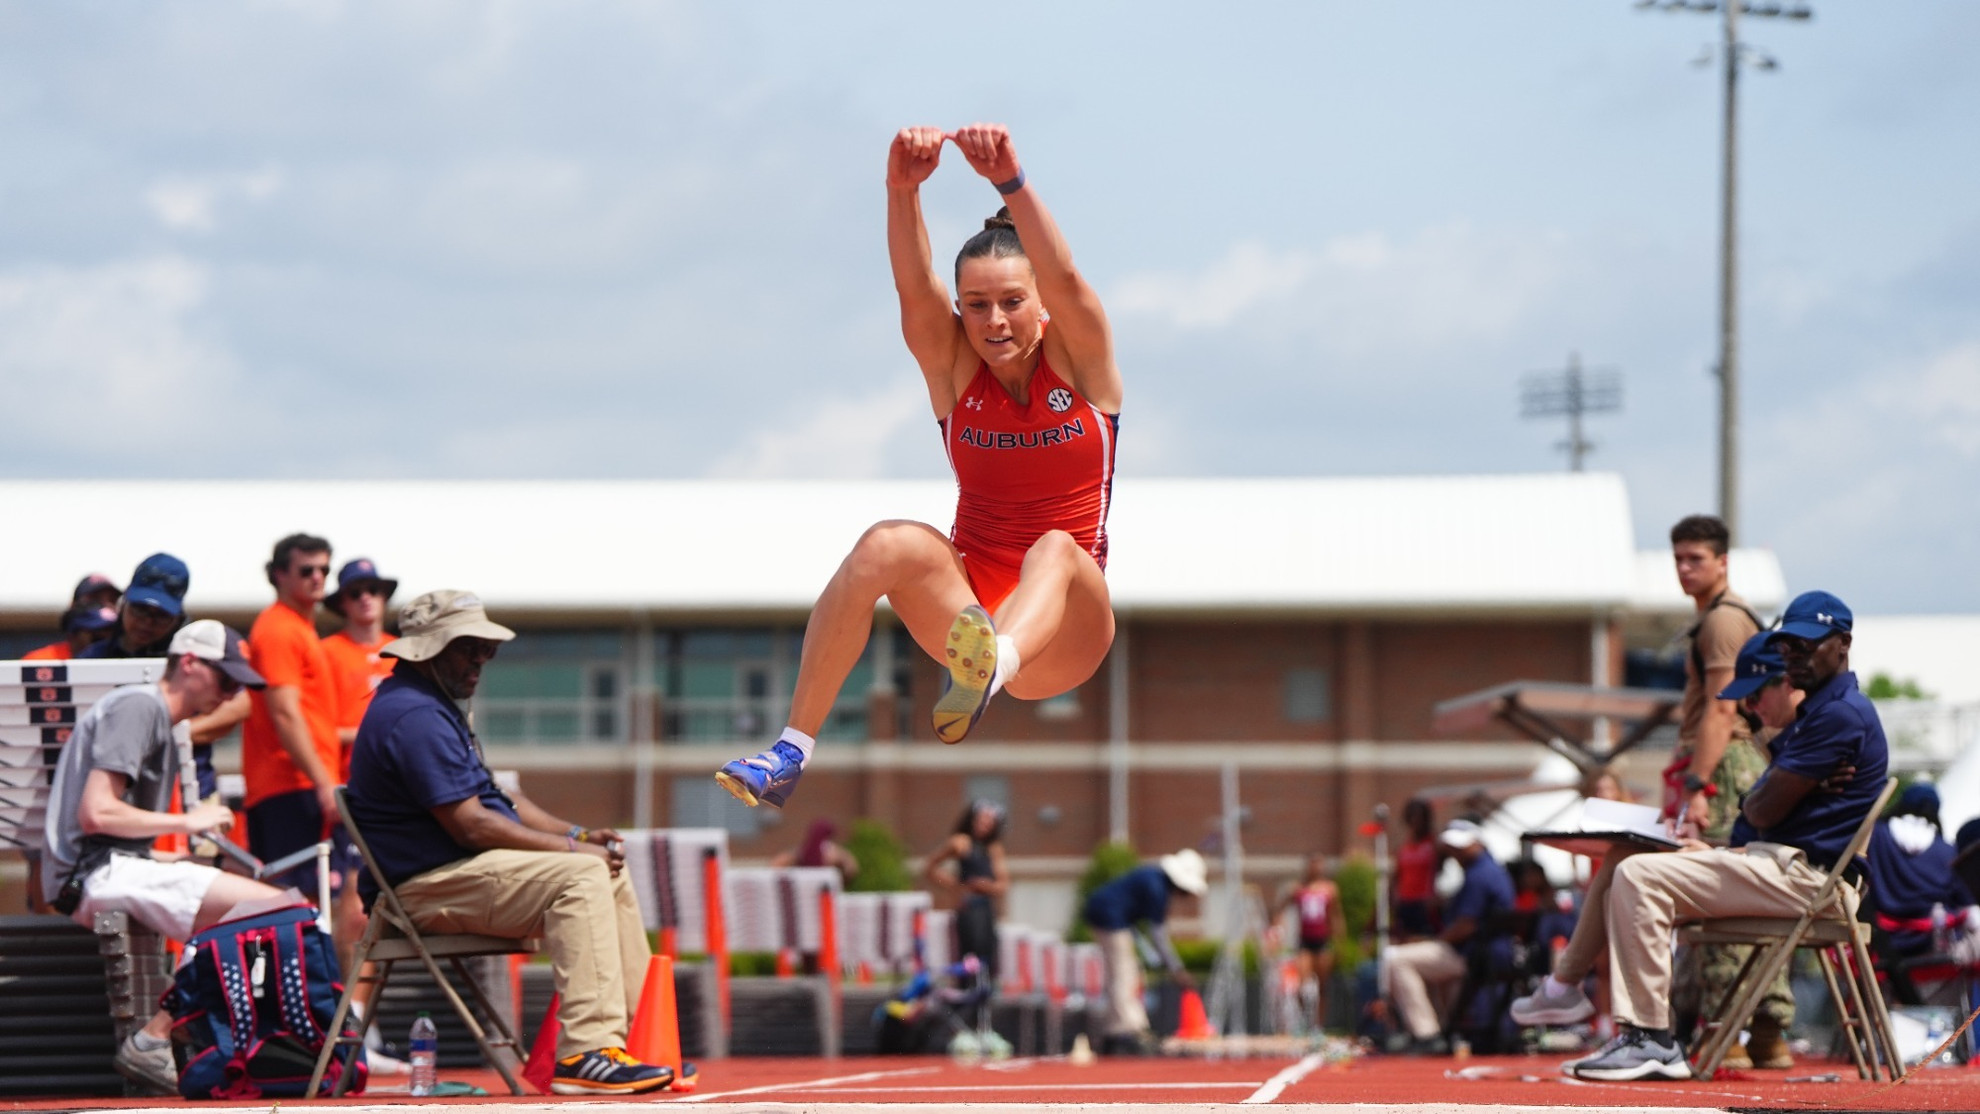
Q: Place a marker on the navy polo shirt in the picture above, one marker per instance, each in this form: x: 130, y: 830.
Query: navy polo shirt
x: 1836, y: 726
x: 1487, y: 889
x: 1140, y: 895
x: 413, y: 754
x: 1905, y: 886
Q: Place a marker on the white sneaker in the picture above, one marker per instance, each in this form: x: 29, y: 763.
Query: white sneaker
x: 1634, y: 1054
x: 1540, y: 1008
x: 152, y: 1069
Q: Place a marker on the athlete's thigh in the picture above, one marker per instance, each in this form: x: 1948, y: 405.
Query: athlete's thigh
x: 928, y: 602
x: 1086, y: 631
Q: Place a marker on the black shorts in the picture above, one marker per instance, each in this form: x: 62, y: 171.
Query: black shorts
x: 1317, y: 947
x: 288, y: 822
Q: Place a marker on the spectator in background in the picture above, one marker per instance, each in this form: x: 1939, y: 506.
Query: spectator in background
x: 290, y: 758
x: 357, y: 669
x: 152, y: 608
x: 821, y: 847
x: 1142, y: 896
x: 1417, y: 861
x: 1415, y: 968
x: 1911, y: 877
x: 83, y: 626
x: 980, y: 878
x: 361, y: 598
x: 1318, y: 902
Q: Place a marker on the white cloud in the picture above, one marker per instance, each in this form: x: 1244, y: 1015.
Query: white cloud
x: 186, y: 203
x: 1364, y: 293
x: 841, y: 440
x: 115, y: 344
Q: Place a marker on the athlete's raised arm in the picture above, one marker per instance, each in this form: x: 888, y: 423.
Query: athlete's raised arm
x: 928, y: 322
x: 1078, y: 320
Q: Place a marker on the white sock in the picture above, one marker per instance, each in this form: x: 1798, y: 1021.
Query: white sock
x: 145, y: 1042
x: 800, y: 740
x: 1007, y: 662
x: 1554, y: 988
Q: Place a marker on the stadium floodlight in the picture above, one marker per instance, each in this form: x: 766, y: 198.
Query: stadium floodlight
x: 1572, y: 393
x: 1733, y: 54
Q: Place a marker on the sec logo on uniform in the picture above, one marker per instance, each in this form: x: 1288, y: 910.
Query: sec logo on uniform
x: 1060, y: 400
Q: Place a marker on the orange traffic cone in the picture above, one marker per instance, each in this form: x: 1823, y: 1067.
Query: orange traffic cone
x: 656, y: 1028
x: 1194, y: 1023
x: 542, y: 1062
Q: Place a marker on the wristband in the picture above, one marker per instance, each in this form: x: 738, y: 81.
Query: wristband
x: 1012, y: 186
x: 575, y: 834
x: 570, y: 843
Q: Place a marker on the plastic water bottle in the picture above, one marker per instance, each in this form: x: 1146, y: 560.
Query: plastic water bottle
x: 425, y: 1056
x: 1941, y: 939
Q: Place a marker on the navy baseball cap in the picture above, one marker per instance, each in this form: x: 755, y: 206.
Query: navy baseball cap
x: 358, y: 570
x: 160, y: 581
x: 96, y: 582
x: 89, y: 618
x: 1815, y: 616
x: 1758, y: 663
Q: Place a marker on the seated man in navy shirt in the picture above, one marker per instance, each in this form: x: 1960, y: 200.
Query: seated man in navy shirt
x: 1828, y: 769
x: 1415, y: 967
x: 465, y: 857
x: 1141, y: 896
x: 1911, y: 871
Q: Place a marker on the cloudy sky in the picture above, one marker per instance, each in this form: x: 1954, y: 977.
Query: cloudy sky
x: 483, y: 239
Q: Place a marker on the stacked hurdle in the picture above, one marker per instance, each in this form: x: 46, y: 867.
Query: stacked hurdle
x: 880, y: 933
x: 681, y: 878
x: 40, y: 704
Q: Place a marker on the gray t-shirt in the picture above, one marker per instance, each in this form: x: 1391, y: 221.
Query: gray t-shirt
x: 128, y: 732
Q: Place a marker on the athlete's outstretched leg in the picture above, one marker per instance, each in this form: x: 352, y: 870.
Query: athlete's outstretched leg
x: 918, y: 571
x: 1060, y: 619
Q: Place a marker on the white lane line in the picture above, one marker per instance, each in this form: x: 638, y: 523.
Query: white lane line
x: 1276, y: 1085
x: 806, y: 1084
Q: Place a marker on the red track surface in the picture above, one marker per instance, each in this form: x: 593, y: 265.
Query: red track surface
x: 1495, y: 1081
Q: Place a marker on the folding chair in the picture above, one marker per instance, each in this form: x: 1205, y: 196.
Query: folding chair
x: 1829, y: 923
x: 391, y: 937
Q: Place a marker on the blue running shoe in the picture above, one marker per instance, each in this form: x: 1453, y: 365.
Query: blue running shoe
x: 972, y: 662
x: 768, y: 777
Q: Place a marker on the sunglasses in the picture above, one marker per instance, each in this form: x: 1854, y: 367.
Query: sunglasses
x: 313, y: 570
x: 367, y: 588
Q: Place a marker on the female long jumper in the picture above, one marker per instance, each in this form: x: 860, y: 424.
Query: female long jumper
x: 1014, y: 598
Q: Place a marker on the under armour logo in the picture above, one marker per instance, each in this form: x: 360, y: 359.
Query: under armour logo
x: 1825, y: 619
x: 973, y: 403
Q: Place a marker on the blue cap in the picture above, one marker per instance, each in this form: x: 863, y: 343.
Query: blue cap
x: 1918, y: 799
x: 160, y: 581
x: 1815, y: 616
x: 1758, y: 663
x: 88, y: 618
x: 95, y: 582
x: 358, y: 570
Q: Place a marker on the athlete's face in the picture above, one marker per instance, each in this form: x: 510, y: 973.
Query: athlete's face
x: 1001, y: 313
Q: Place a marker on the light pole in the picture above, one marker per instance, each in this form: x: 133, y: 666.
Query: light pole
x: 1732, y: 53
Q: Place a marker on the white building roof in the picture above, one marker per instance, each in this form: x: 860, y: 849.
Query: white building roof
x: 1755, y: 574
x: 1934, y: 650
x: 1538, y: 543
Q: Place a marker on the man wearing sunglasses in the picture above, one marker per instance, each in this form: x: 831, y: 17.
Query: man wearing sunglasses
x: 1828, y: 767
x: 112, y: 797
x: 290, y: 758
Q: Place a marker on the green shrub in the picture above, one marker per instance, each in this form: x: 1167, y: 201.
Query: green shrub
x: 881, y: 857
x: 1355, y: 878
x: 1110, y: 861
x: 1200, y: 956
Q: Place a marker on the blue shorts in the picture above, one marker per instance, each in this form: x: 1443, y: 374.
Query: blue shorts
x: 285, y: 824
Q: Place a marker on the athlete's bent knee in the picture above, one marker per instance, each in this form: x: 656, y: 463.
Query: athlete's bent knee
x: 1053, y: 546
x: 887, y: 547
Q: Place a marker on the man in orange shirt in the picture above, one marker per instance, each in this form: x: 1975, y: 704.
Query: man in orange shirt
x: 289, y: 750
x: 358, y: 667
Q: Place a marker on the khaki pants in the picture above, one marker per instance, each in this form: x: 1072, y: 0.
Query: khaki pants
x: 1652, y: 893
x: 1126, y: 1016
x: 1412, y: 967
x: 589, y: 921
x: 1590, y: 940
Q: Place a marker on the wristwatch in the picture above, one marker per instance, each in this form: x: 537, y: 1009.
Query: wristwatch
x: 1695, y: 784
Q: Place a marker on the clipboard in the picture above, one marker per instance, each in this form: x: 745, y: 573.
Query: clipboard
x: 1597, y: 844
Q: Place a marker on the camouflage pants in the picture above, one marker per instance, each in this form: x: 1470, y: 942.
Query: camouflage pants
x: 1704, y: 973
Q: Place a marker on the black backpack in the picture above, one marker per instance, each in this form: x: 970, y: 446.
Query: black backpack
x: 252, y: 1009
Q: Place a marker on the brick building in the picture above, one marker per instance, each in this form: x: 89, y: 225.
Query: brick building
x: 1299, y: 628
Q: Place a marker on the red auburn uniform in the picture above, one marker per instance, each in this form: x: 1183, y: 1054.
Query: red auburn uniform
x: 1023, y: 470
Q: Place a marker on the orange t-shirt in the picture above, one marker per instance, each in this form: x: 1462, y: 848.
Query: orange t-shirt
x: 359, y: 669
x: 54, y: 651
x: 284, y: 649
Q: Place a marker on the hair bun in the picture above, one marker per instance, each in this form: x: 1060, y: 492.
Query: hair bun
x: 1001, y: 220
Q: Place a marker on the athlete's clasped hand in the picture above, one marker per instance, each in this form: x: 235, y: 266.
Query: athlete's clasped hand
x: 917, y: 151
